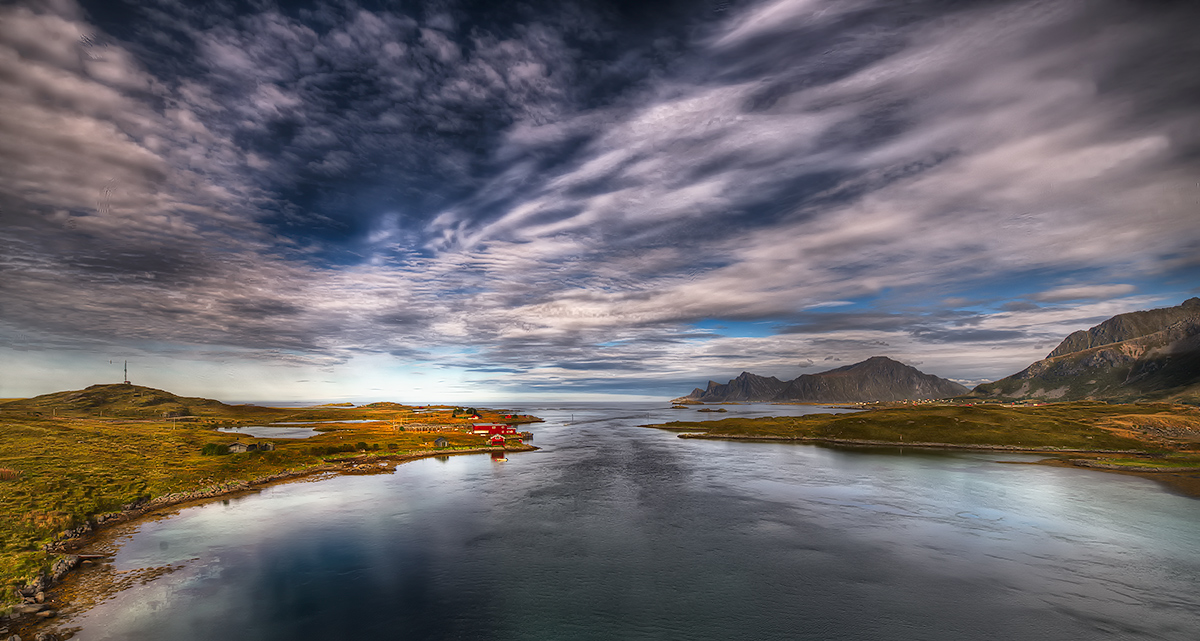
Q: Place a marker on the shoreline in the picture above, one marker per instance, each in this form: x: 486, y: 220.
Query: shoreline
x: 1180, y: 481
x: 917, y: 444
x: 28, y: 618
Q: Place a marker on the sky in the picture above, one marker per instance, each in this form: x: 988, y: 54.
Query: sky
x: 481, y: 201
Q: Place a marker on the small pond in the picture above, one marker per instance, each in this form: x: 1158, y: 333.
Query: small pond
x: 263, y: 431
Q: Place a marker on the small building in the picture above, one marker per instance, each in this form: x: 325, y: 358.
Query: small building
x: 497, y: 440
x: 489, y: 429
x: 238, y: 447
x: 441, y: 442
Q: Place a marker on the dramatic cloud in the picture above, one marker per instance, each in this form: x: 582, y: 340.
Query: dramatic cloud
x: 579, y: 198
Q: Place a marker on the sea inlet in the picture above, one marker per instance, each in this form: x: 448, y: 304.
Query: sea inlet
x: 614, y: 531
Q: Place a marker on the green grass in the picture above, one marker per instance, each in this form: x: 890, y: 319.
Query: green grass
x: 60, y: 463
x: 1065, y: 425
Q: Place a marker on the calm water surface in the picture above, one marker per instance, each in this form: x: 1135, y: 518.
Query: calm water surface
x: 619, y: 532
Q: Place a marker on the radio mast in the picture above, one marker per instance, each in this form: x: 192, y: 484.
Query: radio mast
x: 127, y: 373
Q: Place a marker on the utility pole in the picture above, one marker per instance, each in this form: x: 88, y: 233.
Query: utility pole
x: 127, y: 372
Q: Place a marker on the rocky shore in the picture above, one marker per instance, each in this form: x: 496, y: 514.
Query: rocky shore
x: 37, y: 605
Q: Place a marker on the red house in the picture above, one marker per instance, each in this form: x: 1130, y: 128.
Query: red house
x: 492, y: 429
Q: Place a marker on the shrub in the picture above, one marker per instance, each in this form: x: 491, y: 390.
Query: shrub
x: 360, y: 446
x: 214, y: 449
x: 332, y: 449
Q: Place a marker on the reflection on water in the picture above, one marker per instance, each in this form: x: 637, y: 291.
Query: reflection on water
x: 264, y: 431
x: 355, y: 420
x: 618, y: 532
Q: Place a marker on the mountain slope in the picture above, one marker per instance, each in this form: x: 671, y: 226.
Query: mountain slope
x: 876, y: 379
x: 1123, y: 327
x: 1150, y: 355
x: 745, y: 387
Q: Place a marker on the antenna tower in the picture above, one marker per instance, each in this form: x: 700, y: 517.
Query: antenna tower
x: 127, y: 373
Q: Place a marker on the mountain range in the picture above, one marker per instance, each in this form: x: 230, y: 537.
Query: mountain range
x: 1152, y: 355
x: 876, y: 379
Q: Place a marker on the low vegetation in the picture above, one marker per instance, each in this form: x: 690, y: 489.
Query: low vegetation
x: 67, y: 457
x: 1156, y: 428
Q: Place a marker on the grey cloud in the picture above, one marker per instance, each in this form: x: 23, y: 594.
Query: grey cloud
x: 946, y: 335
x: 1084, y: 292
x: 1019, y: 306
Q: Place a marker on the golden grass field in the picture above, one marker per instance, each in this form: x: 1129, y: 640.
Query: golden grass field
x: 67, y: 457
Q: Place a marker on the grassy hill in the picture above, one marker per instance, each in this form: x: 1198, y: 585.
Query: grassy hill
x: 126, y: 401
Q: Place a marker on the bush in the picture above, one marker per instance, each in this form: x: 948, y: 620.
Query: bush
x: 393, y: 447
x: 361, y: 446
x: 331, y: 449
x: 214, y: 449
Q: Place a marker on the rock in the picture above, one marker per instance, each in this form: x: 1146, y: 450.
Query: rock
x: 40, y: 597
x: 46, y: 636
x: 14, y: 638
x: 64, y: 565
x: 47, y: 614
x: 29, y: 608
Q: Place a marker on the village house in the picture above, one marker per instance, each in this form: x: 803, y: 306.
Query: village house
x: 237, y: 447
x: 491, y: 429
x: 441, y: 442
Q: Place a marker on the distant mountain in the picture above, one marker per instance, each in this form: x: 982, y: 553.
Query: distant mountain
x: 117, y: 400
x: 875, y: 379
x: 1148, y: 355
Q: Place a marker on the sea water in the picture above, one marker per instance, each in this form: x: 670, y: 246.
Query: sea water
x: 614, y: 531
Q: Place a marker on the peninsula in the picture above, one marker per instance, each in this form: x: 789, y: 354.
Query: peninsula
x: 73, y: 462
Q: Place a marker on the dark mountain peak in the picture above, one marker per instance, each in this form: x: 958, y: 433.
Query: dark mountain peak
x: 875, y: 362
x: 878, y: 378
x: 747, y: 376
